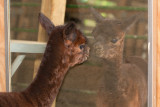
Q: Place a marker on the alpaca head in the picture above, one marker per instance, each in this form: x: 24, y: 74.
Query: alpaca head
x: 75, y: 44
x: 109, y: 35
x: 66, y: 42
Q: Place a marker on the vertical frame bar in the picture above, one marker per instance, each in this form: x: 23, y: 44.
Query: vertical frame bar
x: 7, y: 43
x: 152, y: 52
x: 150, y: 75
x: 150, y: 28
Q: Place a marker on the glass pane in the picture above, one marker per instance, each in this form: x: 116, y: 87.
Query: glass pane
x: 115, y: 74
x: 111, y: 77
x: 24, y: 26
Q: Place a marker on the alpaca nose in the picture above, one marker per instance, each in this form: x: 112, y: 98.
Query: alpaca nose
x: 87, y: 49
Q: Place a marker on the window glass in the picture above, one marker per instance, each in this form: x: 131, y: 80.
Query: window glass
x: 116, y: 71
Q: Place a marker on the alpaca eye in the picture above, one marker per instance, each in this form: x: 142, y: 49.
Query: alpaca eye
x: 82, y: 46
x: 114, y: 40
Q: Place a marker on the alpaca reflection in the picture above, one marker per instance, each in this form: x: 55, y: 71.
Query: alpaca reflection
x: 124, y: 83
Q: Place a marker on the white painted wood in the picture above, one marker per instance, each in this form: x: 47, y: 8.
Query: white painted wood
x: 17, y: 62
x: 19, y: 46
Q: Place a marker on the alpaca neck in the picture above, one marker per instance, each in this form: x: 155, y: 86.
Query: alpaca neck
x: 111, y: 74
x: 49, y: 78
x: 117, y: 60
x: 114, y: 64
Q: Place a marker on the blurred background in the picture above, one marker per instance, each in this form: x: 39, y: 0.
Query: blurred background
x: 79, y: 88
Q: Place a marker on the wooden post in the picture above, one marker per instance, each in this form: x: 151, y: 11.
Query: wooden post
x: 157, y: 25
x: 55, y: 10
x: 155, y: 54
x: 2, y: 49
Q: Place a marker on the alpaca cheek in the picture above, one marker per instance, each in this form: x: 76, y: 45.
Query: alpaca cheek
x: 76, y: 59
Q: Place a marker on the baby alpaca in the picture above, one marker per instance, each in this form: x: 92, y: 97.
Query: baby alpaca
x: 124, y: 84
x: 66, y: 47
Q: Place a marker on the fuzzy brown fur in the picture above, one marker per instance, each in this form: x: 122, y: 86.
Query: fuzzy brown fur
x: 66, y: 47
x: 124, y: 83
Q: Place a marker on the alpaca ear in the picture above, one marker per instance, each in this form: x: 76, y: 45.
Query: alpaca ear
x: 96, y: 15
x: 69, y: 32
x: 46, y: 23
x: 130, y: 21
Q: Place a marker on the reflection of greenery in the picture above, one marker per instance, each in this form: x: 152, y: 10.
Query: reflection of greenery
x: 86, y: 32
x: 111, y: 7
x: 25, y: 4
x: 99, y: 2
x: 104, y: 14
x: 143, y: 37
x: 102, y: 3
x: 128, y: 8
x: 107, y: 15
x: 83, y: 1
x: 89, y: 22
x: 136, y: 37
x: 80, y: 91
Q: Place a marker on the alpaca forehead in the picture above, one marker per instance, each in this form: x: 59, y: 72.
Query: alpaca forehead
x: 109, y: 29
x: 106, y: 33
x: 112, y: 24
x: 80, y: 38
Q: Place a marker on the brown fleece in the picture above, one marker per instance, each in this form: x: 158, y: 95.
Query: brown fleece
x: 66, y: 47
x: 123, y: 84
